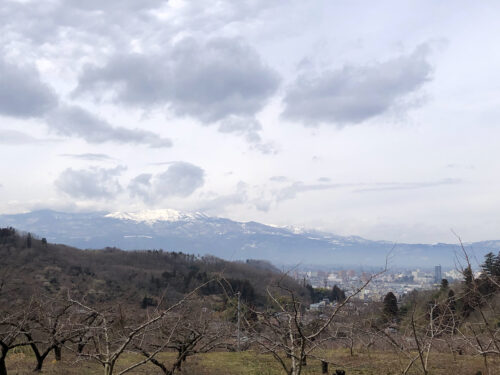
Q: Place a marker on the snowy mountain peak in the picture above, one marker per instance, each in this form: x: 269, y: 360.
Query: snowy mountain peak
x: 153, y: 216
x: 295, y: 229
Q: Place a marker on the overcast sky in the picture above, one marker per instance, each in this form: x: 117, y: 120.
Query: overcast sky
x: 373, y: 119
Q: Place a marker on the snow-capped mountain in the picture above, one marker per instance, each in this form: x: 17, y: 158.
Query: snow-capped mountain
x: 153, y: 216
x: 200, y: 234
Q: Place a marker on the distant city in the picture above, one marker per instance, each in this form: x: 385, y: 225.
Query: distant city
x: 399, y: 282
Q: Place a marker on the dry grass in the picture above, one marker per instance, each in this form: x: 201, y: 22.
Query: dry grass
x: 252, y: 363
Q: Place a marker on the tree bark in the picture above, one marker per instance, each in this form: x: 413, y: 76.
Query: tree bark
x: 39, y: 361
x: 3, y: 368
x: 57, y: 353
x: 304, y: 361
x: 324, y: 367
x: 39, y: 357
x: 108, y: 369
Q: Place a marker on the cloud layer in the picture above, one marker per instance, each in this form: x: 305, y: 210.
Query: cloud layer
x: 208, y: 81
x: 354, y: 94
x: 14, y: 137
x: 22, y: 93
x: 77, y: 122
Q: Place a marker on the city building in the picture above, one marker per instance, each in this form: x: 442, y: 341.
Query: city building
x: 437, y: 275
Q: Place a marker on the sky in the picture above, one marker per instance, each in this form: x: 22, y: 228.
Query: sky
x: 378, y: 120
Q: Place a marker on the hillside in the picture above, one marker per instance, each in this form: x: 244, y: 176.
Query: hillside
x: 200, y: 234
x: 130, y: 277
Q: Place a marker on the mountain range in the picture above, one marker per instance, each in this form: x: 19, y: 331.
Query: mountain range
x: 197, y: 233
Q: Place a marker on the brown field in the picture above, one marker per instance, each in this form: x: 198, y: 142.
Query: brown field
x: 252, y: 363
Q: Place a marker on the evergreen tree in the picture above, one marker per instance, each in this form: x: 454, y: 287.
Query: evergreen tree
x: 468, y: 277
x: 491, y: 265
x: 390, y: 305
x: 337, y: 294
x: 444, y: 284
x: 496, y: 266
x: 488, y: 267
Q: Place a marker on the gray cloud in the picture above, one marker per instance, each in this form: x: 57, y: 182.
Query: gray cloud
x: 219, y: 203
x: 242, y: 195
x: 298, y: 187
x: 263, y: 199
x: 460, y: 166
x: 89, y: 157
x: 22, y: 93
x: 140, y: 186
x: 76, y: 121
x: 88, y: 21
x: 119, y: 20
x: 160, y: 163
x: 114, y: 5
x: 203, y: 17
x: 208, y: 81
x: 93, y: 183
x: 354, y: 94
x: 408, y: 185
x: 181, y: 179
x: 248, y: 128
x: 291, y: 191
x: 278, y: 179
x: 14, y: 137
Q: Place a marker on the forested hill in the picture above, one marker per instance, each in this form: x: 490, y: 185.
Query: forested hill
x: 137, y: 278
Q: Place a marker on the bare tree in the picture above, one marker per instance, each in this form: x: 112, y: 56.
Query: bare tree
x: 14, y: 317
x: 50, y: 325
x: 12, y: 329
x: 480, y: 333
x: 288, y: 333
x: 192, y: 330
x: 111, y: 333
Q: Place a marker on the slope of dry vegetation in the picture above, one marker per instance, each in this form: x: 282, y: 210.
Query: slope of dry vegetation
x: 127, y: 277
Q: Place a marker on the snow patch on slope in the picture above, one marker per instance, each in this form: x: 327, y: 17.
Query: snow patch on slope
x: 153, y: 216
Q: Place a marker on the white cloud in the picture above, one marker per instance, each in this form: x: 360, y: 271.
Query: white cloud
x: 180, y: 179
x: 93, y: 183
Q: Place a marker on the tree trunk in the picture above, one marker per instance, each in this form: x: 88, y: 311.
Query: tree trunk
x: 3, y: 369
x: 57, y: 353
x: 324, y: 367
x: 39, y: 365
x: 39, y: 358
x: 108, y: 369
x: 161, y: 366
